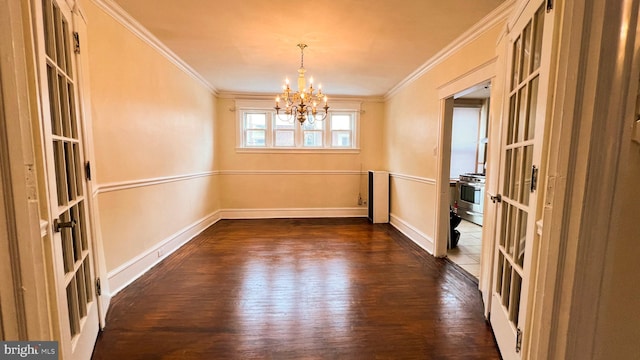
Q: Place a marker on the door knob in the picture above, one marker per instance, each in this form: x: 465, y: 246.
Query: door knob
x: 495, y: 198
x: 58, y: 225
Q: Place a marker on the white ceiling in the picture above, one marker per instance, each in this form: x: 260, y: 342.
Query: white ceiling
x: 355, y: 47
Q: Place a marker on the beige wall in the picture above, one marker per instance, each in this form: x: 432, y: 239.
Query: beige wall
x: 412, y: 131
x: 277, y: 181
x: 150, y: 120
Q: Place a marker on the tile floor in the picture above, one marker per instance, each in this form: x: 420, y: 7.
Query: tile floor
x: 467, y: 253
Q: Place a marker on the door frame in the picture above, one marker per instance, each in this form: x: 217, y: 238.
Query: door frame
x: 84, y: 103
x: 29, y: 314
x: 481, y: 74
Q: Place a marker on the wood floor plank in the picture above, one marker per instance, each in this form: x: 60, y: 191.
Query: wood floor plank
x: 298, y: 289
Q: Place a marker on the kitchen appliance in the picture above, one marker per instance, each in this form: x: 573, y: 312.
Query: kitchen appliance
x: 471, y: 197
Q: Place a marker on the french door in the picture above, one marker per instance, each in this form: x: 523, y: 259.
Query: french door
x: 529, y: 45
x: 64, y: 158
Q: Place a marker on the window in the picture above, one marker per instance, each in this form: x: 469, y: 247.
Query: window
x: 283, y: 133
x: 259, y: 129
x: 313, y: 134
x: 341, y: 130
x: 255, y: 129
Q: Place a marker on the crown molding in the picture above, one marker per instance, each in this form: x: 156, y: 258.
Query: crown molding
x: 271, y: 96
x: 131, y: 24
x: 501, y: 13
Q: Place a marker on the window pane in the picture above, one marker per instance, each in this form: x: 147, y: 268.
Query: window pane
x: 341, y: 138
x: 284, y: 138
x: 255, y: 138
x: 341, y: 122
x: 317, y: 125
x: 256, y: 121
x: 312, y: 138
x: 283, y: 124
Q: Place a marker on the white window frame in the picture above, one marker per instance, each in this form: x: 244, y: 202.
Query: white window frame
x: 267, y: 130
x: 266, y: 107
x: 352, y: 132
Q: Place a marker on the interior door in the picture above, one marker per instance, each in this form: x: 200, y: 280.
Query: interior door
x: 529, y: 44
x: 64, y: 157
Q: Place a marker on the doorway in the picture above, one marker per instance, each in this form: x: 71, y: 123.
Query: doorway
x: 469, y: 124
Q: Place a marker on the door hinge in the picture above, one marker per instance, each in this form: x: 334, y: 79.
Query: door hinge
x: 76, y: 42
x: 549, y: 5
x: 518, y: 340
x: 87, y: 170
x: 98, y: 287
x: 534, y: 178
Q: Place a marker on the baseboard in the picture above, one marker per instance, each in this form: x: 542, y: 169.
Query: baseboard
x: 292, y: 213
x: 125, y: 274
x: 415, y: 235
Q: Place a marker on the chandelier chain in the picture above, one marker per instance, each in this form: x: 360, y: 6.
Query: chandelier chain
x: 302, y: 46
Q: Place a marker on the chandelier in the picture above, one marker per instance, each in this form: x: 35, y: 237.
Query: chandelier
x: 302, y: 104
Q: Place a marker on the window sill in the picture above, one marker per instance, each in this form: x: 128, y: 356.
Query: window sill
x: 241, y: 150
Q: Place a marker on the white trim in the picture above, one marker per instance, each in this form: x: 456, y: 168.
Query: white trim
x: 131, y: 24
x: 443, y: 161
x: 270, y: 98
x: 264, y: 104
x: 421, y: 239
x: 419, y: 179
x: 501, y: 13
x: 293, y: 213
x: 292, y: 172
x: 26, y: 312
x: 84, y: 101
x: 274, y: 150
x: 124, y: 185
x: 128, y: 272
x: 475, y: 76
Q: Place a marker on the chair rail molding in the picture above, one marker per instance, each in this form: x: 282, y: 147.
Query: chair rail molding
x: 124, y: 185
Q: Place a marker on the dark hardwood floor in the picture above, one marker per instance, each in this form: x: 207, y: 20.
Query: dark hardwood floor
x: 298, y: 289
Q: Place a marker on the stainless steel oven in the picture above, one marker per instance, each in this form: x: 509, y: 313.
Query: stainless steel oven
x: 471, y: 197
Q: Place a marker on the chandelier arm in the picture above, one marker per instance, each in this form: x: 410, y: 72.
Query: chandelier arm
x: 301, y: 105
x: 288, y: 118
